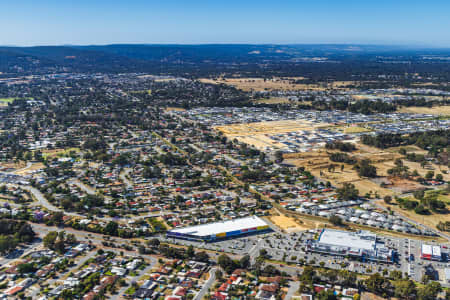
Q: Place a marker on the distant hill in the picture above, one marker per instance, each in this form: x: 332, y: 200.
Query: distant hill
x: 313, y: 61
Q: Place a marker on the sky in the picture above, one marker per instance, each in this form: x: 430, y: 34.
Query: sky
x: 87, y: 22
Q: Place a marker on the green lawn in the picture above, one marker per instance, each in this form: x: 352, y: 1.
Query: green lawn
x: 7, y: 100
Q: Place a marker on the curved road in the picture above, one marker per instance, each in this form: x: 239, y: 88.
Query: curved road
x: 41, y: 200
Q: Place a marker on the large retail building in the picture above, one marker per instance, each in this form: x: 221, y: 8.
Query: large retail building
x: 363, y: 245
x: 220, y: 230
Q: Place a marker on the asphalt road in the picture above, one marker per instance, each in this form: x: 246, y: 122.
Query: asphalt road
x: 293, y: 287
x: 120, y: 293
x: 123, y: 176
x: 207, y: 285
x: 45, y: 203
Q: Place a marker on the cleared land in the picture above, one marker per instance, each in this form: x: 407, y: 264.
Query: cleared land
x: 288, y: 224
x: 175, y: 109
x: 355, y: 129
x: 270, y: 127
x: 259, y: 84
x: 317, y: 163
x: 12, y: 165
x: 32, y: 168
x: 436, y: 110
x: 273, y: 100
x: 257, y: 134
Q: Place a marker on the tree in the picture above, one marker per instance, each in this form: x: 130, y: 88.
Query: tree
x: 439, y: 177
x: 429, y: 175
x: 270, y: 270
x: 404, y: 288
x: 244, y: 262
x: 219, y: 274
x: 226, y: 263
x: 111, y: 228
x: 377, y: 283
x: 50, y: 239
x: 396, y: 275
x: 387, y: 199
x: 190, y: 252
x: 347, y: 192
x: 419, y: 194
x: 365, y: 169
x: 26, y: 268
x: 263, y: 253
x: 335, y: 220
x: 326, y: 295
x: 429, y: 291
x: 7, y: 244
x: 154, y: 242
x: 202, y: 256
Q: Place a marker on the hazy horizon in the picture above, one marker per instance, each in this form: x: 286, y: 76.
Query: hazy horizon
x: 51, y: 22
x: 400, y: 46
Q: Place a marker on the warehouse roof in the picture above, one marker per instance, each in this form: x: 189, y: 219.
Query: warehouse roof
x: 221, y: 227
x: 361, y: 240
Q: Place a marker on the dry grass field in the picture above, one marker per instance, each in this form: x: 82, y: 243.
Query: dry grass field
x: 270, y: 127
x: 12, y: 165
x: 355, y: 129
x: 317, y: 163
x: 260, y: 141
x: 32, y: 168
x: 175, y: 109
x: 436, y: 110
x: 288, y: 224
x: 259, y: 84
x: 257, y: 134
x: 273, y: 100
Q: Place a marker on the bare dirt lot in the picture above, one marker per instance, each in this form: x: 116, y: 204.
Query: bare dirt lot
x: 175, y: 109
x: 31, y: 169
x: 11, y: 165
x: 270, y: 127
x: 288, y: 224
x: 257, y: 134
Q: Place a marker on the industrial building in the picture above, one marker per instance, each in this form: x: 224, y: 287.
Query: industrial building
x: 362, y: 245
x: 221, y: 230
x: 430, y: 252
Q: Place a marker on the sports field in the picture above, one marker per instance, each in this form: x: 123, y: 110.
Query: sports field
x: 5, y: 101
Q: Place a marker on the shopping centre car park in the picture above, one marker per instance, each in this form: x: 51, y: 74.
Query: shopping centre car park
x: 292, y: 248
